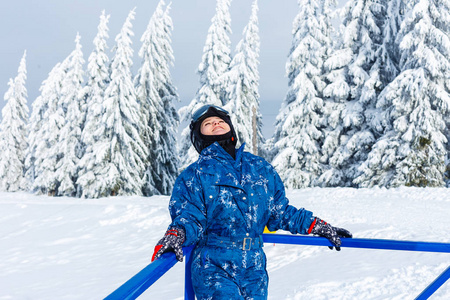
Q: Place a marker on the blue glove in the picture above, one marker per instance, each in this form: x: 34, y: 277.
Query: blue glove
x: 172, y: 241
x: 333, y: 234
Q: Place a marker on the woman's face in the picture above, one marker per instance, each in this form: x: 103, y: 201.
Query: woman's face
x: 214, y: 126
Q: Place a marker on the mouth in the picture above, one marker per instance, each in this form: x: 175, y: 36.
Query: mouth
x: 218, y: 128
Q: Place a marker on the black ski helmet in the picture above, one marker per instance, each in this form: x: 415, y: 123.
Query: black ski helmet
x: 206, y: 111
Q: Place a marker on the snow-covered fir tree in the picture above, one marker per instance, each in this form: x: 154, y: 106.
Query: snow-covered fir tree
x: 49, y: 117
x: 388, y: 53
x: 243, y: 82
x: 156, y: 94
x: 69, y: 143
x: 355, y: 82
x: 412, y: 149
x: 39, y: 124
x: 386, y: 65
x: 124, y: 153
x: 92, y: 172
x: 216, y: 57
x: 334, y: 97
x: 215, y: 62
x: 14, y: 133
x: 298, y: 137
x: 57, y: 137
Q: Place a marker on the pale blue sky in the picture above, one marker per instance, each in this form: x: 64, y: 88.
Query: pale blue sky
x: 47, y: 30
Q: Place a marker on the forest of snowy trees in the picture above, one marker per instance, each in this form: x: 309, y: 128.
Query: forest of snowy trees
x: 367, y: 104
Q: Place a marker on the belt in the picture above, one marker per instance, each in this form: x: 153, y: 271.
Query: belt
x: 245, y: 244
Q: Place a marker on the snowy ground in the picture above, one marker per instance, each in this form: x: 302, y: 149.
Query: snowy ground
x: 65, y: 248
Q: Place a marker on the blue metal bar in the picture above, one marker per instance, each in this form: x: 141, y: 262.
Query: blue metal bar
x: 188, y: 288
x: 372, y: 244
x: 135, y: 286
x: 358, y: 243
x: 140, y: 282
x: 437, y: 283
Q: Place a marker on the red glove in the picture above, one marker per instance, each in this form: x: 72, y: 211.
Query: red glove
x: 172, y: 241
x: 333, y: 234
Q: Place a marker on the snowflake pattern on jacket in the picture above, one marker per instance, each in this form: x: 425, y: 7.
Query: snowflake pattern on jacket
x: 219, y: 199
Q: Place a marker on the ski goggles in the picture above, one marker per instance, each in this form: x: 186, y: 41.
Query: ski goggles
x: 202, y: 111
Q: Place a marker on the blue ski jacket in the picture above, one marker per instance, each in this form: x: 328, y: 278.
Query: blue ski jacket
x: 218, y: 196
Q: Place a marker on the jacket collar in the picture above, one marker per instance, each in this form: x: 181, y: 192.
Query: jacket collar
x: 217, y: 153
x: 215, y: 160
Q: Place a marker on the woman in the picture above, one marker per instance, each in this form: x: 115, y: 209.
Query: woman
x: 221, y: 203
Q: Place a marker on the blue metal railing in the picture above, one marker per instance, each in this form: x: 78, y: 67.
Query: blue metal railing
x: 140, y: 282
x: 135, y: 286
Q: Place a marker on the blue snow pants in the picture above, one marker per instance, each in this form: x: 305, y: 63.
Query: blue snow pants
x: 221, y: 273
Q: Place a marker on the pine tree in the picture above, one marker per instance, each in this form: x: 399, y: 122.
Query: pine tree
x: 412, y: 150
x: 42, y: 107
x: 156, y: 93
x: 14, y: 132
x: 386, y: 63
x: 298, y: 135
x: 215, y: 62
x: 124, y: 153
x: 216, y: 57
x: 92, y: 171
x: 48, y: 152
x: 69, y: 142
x: 352, y: 136
x: 243, y: 81
x: 388, y: 53
x: 57, y: 138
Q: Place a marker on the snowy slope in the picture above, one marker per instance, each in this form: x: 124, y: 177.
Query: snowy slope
x: 66, y: 248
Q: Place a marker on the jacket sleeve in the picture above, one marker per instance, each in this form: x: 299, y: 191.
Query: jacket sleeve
x: 284, y: 216
x: 187, y: 208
